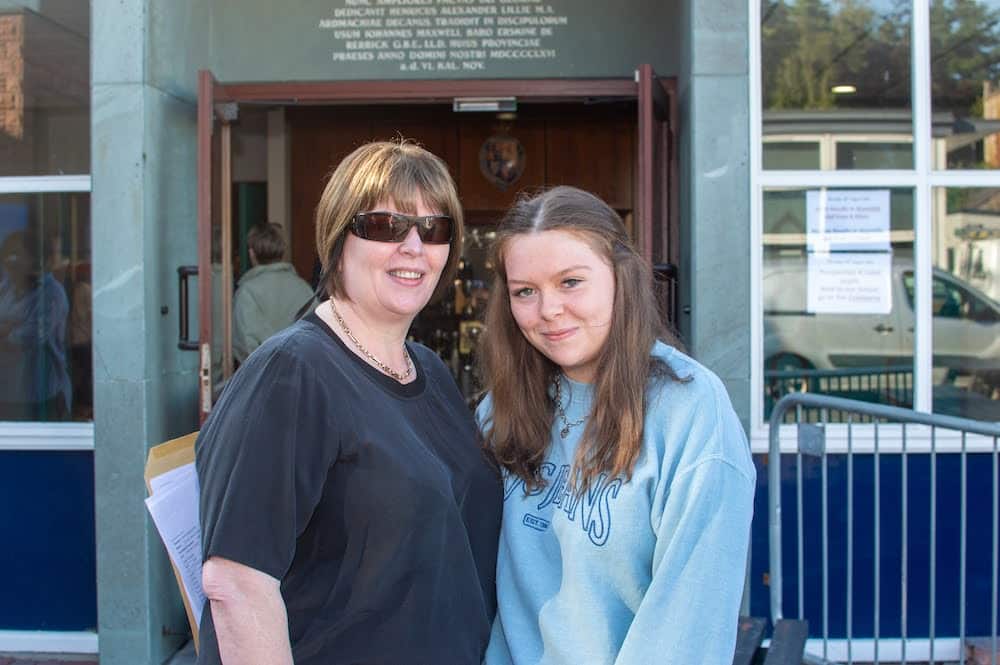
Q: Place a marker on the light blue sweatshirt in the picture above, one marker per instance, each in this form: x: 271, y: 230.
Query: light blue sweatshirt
x: 645, y: 571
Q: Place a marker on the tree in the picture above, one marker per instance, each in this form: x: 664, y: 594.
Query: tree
x: 965, y: 53
x: 811, y: 45
x: 797, y: 52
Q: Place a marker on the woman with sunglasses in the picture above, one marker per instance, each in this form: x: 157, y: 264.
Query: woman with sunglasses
x: 628, y: 484
x: 348, y: 514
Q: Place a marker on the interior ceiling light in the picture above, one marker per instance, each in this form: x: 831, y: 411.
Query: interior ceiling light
x: 847, y: 89
x: 491, y: 104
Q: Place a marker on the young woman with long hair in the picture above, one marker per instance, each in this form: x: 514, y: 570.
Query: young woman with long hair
x: 628, y: 482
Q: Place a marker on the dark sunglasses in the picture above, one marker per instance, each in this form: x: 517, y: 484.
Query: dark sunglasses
x: 393, y: 227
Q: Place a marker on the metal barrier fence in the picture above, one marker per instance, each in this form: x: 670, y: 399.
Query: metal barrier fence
x: 891, y: 570
x: 880, y: 385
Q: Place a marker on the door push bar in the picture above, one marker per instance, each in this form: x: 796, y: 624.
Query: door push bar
x: 183, y: 272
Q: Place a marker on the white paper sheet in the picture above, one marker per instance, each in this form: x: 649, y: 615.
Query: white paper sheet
x: 164, y: 481
x: 174, y: 508
x: 849, y: 283
x: 847, y: 220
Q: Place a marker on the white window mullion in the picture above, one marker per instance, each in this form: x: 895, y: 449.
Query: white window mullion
x: 815, y: 179
x: 48, y: 641
x: 985, y: 178
x: 828, y: 153
x: 922, y: 207
x: 36, y: 436
x: 44, y: 184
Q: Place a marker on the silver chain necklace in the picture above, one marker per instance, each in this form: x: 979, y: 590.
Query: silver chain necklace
x: 561, y: 412
x: 368, y: 354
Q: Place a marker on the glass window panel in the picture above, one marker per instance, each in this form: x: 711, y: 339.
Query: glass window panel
x: 965, y: 73
x: 791, y: 155
x: 44, y: 87
x: 874, y: 155
x: 45, y: 308
x: 836, y: 320
x: 838, y: 69
x: 964, y: 299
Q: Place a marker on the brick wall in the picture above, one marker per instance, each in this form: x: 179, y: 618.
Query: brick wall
x: 12, y: 75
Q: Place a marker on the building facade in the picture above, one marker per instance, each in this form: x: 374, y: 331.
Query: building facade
x: 816, y: 179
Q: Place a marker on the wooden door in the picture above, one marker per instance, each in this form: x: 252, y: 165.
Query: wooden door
x: 215, y: 255
x: 206, y: 122
x: 656, y: 196
x: 576, y: 131
x: 322, y: 136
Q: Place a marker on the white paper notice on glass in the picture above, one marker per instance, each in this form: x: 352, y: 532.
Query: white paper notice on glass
x: 847, y: 220
x: 174, y: 509
x: 849, y: 283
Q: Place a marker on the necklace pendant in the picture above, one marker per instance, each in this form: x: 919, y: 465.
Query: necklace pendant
x: 564, y: 432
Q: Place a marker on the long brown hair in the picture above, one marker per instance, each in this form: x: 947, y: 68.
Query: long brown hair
x: 518, y: 376
x: 398, y: 171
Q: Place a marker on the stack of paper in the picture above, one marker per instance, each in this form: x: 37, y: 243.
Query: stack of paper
x: 173, y: 504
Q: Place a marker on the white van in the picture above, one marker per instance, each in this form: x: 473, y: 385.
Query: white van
x: 966, y: 326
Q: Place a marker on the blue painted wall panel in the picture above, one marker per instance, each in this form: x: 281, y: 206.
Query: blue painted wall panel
x: 48, y: 551
x: 947, y: 552
x: 47, y: 533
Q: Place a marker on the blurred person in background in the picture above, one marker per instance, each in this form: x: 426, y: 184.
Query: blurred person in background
x: 268, y: 295
x: 34, y: 312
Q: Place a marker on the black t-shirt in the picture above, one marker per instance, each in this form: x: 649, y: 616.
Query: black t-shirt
x: 370, y: 500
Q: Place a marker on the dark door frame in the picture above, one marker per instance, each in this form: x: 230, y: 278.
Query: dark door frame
x: 658, y: 93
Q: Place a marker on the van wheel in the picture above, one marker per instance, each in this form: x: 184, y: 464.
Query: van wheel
x: 787, y: 361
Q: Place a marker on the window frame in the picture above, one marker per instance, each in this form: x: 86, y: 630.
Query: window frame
x: 827, y: 144
x: 36, y: 435
x: 923, y: 179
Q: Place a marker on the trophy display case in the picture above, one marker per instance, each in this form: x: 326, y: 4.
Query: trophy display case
x: 452, y: 324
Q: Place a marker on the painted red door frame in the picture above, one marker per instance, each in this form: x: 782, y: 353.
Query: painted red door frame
x: 656, y: 195
x: 656, y: 99
x: 206, y: 105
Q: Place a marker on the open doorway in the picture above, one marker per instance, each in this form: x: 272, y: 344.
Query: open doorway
x: 606, y: 136
x: 493, y: 157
